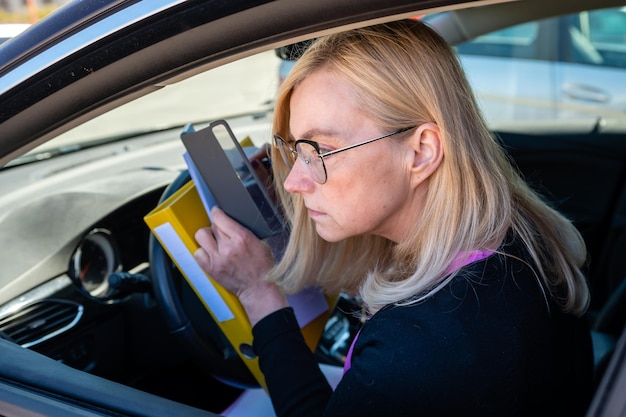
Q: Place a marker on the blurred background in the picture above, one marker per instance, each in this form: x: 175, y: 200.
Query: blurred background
x: 27, y: 11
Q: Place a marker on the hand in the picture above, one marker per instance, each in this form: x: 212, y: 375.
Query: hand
x: 237, y: 259
x: 260, y: 161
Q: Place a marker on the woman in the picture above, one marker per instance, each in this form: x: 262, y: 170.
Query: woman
x: 396, y: 191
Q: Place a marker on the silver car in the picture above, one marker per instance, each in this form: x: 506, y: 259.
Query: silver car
x: 565, y: 67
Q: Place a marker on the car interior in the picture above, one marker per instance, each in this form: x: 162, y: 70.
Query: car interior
x: 146, y: 345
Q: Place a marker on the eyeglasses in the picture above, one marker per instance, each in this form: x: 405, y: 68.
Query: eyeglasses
x: 312, y: 156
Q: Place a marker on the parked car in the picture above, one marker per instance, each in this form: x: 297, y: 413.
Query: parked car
x: 564, y: 67
x: 93, y: 101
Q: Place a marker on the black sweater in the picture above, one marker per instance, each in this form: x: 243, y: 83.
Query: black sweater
x: 487, y: 344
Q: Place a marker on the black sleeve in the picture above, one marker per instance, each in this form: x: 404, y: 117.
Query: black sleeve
x: 295, y: 382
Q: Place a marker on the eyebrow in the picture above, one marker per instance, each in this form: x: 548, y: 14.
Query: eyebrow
x: 309, y: 134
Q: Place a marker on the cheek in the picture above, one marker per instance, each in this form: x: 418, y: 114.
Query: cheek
x: 365, y: 204
x: 384, y: 198
x: 362, y: 200
x: 374, y: 201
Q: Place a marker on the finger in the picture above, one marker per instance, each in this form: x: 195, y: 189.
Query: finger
x: 203, y: 259
x: 206, y: 239
x: 261, y: 153
x: 262, y: 172
x: 224, y: 225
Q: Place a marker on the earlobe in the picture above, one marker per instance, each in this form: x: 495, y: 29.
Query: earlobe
x: 427, y: 152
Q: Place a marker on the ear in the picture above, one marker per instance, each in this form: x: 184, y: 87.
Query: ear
x: 427, y: 152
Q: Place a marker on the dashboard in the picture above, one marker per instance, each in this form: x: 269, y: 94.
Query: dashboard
x: 66, y: 224
x: 52, y: 205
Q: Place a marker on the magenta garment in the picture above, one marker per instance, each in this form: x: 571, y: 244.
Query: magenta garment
x: 460, y: 261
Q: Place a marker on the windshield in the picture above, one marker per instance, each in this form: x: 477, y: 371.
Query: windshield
x: 219, y: 93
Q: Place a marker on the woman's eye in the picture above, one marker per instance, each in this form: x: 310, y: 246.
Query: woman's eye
x: 324, y: 150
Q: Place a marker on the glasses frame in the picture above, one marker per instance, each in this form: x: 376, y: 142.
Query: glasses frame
x: 316, y: 146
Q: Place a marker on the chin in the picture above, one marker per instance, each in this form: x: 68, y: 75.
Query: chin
x: 329, y: 236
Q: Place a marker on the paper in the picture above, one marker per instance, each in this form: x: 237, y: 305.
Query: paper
x: 196, y: 276
x: 308, y: 305
x: 208, y: 201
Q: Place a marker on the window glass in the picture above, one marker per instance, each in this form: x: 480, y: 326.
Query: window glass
x: 246, y: 86
x: 562, y: 67
x: 595, y: 37
x: 514, y: 42
x: 606, y: 32
x: 606, y: 26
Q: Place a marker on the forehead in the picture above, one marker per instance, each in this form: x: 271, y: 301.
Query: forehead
x: 323, y: 104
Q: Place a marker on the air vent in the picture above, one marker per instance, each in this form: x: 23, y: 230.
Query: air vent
x: 40, y: 321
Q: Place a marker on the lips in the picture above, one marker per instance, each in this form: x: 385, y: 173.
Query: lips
x: 313, y: 213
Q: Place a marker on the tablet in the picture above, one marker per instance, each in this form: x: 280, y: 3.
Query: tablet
x: 223, y: 173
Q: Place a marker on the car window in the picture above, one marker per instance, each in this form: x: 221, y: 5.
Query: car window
x: 597, y: 37
x: 564, y: 67
x: 515, y: 42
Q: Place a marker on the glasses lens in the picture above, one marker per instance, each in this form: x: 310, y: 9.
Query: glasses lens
x: 312, y: 161
x: 286, y: 151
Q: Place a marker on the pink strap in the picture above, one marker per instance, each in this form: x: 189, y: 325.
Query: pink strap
x: 462, y: 260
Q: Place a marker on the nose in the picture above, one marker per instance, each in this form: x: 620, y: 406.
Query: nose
x: 298, y: 180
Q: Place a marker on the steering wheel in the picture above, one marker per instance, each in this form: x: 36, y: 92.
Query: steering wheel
x: 186, y: 317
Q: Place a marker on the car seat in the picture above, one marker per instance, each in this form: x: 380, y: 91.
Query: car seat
x: 606, y: 329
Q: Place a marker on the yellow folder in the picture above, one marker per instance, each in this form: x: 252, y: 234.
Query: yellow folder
x: 174, y: 223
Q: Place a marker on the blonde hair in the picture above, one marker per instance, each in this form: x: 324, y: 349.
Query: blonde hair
x: 404, y: 74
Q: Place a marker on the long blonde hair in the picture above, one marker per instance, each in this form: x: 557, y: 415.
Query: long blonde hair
x: 404, y: 74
